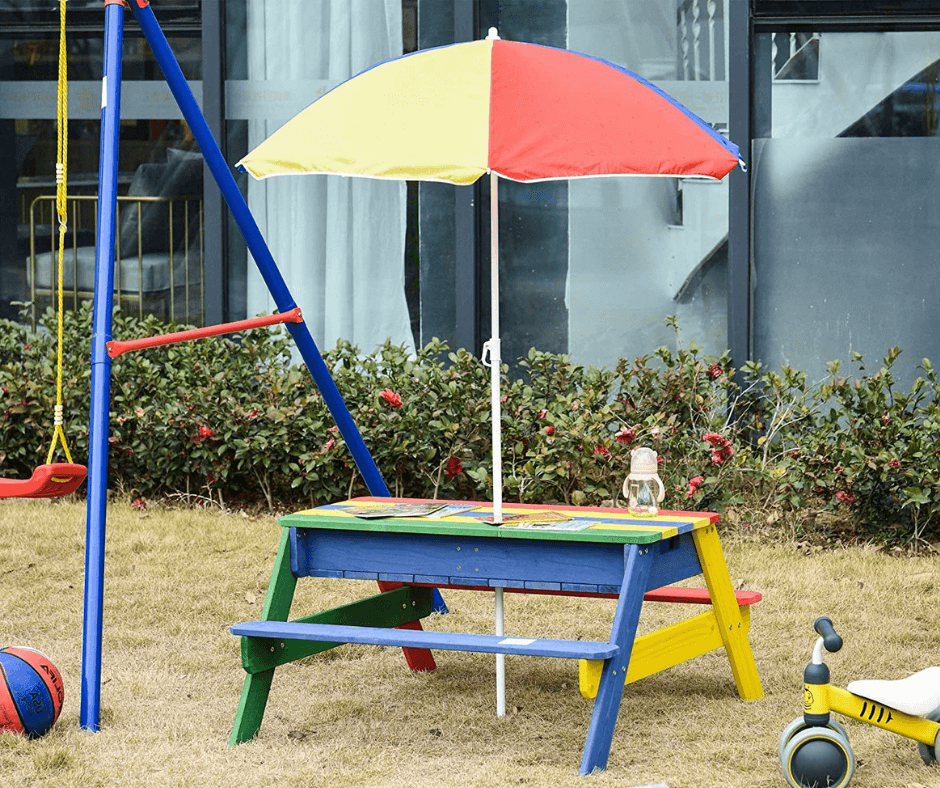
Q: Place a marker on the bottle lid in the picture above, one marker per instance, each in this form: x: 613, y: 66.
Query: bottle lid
x: 643, y: 463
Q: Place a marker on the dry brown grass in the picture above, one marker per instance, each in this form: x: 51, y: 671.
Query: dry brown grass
x: 175, y: 581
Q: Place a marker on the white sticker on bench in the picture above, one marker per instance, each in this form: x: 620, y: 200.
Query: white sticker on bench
x: 517, y: 641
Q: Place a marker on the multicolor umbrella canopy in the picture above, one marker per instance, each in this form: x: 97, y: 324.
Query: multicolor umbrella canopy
x: 520, y: 111
x: 524, y: 111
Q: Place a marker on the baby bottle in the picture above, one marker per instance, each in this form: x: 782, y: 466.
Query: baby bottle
x: 643, y: 488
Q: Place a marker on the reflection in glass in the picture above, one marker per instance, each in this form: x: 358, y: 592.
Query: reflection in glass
x: 153, y: 174
x: 845, y: 207
x: 641, y: 249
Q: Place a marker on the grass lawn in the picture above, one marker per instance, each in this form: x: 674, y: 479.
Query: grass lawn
x: 355, y: 716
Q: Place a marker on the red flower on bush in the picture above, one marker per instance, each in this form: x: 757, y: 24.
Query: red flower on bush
x: 626, y: 436
x: 139, y: 503
x: 542, y: 414
x: 391, y: 398
x: 694, y: 482
x: 715, y: 371
x: 721, y: 447
x: 843, y: 497
x: 454, y: 467
x: 549, y: 430
x: 601, y: 451
x: 894, y: 462
x: 205, y: 432
x: 329, y: 444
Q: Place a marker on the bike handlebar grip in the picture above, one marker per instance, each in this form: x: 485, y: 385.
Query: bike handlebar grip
x: 831, y: 639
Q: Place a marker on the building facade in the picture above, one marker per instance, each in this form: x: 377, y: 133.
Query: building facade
x: 825, y: 246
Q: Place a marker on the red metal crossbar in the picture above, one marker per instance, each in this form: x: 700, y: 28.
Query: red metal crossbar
x: 116, y: 348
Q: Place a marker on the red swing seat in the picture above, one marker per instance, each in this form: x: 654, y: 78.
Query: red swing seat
x: 52, y: 480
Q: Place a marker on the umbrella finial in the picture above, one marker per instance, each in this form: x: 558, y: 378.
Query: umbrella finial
x: 492, y: 34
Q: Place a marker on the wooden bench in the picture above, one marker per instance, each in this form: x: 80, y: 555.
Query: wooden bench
x: 418, y: 638
x: 648, y: 655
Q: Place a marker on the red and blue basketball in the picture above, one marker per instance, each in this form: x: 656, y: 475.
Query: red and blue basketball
x: 31, y: 692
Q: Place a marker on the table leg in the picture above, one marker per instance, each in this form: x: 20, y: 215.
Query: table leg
x: 257, y: 686
x: 417, y: 658
x: 728, y: 614
x: 637, y: 562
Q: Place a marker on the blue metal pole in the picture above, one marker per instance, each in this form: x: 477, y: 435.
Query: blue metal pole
x: 101, y: 370
x: 256, y: 245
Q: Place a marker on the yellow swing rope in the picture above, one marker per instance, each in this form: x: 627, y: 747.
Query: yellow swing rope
x: 61, y: 169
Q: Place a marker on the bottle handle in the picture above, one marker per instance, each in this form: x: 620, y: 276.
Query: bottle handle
x: 662, y: 490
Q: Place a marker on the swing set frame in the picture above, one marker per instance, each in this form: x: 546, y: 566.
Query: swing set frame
x: 104, y: 348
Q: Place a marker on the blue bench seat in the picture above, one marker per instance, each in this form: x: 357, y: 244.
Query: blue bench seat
x: 414, y: 638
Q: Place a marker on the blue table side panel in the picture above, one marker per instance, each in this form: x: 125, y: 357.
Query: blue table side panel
x: 549, y: 565
x: 393, y: 577
x: 349, y: 575
x: 480, y: 582
x: 502, y: 582
x: 437, y: 580
x: 314, y: 551
x: 676, y: 560
x: 580, y: 588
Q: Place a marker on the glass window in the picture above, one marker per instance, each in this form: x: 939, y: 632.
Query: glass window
x: 160, y: 182
x: 592, y: 267
x: 845, y: 207
x: 338, y: 242
x: 644, y: 248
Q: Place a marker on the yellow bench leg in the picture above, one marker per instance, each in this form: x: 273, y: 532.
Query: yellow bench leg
x: 727, y: 613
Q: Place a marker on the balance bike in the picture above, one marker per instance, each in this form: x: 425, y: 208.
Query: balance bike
x: 814, y: 749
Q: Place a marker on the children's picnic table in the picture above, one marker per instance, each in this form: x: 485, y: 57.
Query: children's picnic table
x: 602, y: 552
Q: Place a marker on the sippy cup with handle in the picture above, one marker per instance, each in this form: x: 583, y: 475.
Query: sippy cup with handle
x: 643, y: 488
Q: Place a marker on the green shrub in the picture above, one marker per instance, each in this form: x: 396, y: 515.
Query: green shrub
x: 874, y: 451
x: 234, y: 420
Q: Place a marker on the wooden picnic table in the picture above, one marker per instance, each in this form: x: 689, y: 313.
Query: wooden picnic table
x: 600, y: 552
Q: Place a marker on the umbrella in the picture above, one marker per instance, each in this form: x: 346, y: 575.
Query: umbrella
x: 521, y: 111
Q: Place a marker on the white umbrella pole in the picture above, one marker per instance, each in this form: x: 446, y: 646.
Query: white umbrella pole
x: 495, y: 358
x: 496, y: 411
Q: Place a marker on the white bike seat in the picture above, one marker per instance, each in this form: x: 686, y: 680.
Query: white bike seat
x: 918, y: 694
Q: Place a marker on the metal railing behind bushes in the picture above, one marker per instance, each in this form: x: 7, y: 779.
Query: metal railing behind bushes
x: 159, y: 262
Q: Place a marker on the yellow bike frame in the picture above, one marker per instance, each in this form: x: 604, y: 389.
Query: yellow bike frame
x: 823, y: 698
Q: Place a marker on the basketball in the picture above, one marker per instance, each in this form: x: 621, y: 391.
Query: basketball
x: 31, y: 692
